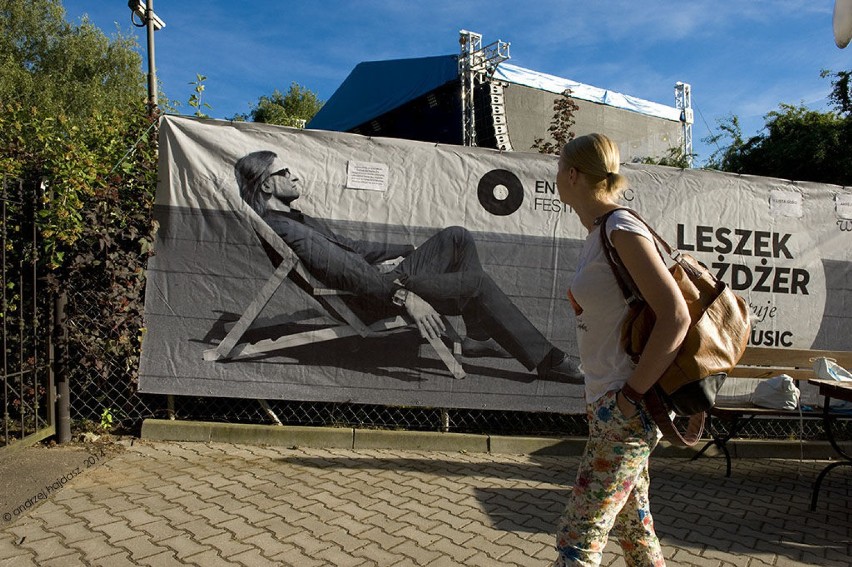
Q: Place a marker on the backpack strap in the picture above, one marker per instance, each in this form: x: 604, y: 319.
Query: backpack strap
x: 659, y: 410
x: 622, y: 276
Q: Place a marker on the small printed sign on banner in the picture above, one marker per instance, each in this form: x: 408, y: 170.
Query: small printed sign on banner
x: 786, y: 204
x: 369, y: 176
x: 843, y: 206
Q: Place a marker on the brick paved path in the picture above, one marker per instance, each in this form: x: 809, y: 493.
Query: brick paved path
x: 217, y: 504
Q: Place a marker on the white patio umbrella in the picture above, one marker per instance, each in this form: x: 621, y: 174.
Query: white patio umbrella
x: 842, y: 22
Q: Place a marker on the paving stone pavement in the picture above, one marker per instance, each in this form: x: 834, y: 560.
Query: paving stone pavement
x: 210, y: 504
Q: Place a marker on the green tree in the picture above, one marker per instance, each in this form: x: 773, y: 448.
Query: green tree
x: 675, y: 157
x: 294, y: 109
x: 798, y: 143
x: 795, y: 143
x: 560, y: 131
x: 74, y: 128
x: 840, y: 96
x: 63, y: 69
x: 70, y: 100
x: 721, y: 158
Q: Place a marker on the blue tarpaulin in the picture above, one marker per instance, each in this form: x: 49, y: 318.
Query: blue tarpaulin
x: 376, y: 87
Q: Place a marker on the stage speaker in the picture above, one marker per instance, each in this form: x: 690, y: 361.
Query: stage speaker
x: 492, y: 127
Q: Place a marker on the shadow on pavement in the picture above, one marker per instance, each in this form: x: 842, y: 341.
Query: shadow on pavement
x: 764, y: 507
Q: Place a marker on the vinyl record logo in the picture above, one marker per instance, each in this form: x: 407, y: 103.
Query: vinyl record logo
x: 500, y: 192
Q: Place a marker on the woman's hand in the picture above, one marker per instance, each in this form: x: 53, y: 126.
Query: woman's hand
x: 428, y: 320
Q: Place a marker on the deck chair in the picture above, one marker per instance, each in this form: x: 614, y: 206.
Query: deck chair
x: 289, y: 267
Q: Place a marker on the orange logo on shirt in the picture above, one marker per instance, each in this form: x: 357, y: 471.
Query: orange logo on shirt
x: 577, y: 309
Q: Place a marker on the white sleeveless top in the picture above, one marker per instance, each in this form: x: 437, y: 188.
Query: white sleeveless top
x: 601, y: 309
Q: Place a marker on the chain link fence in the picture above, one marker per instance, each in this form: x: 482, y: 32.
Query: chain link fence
x: 109, y: 388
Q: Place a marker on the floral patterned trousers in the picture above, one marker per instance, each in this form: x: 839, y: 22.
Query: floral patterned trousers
x: 611, y: 491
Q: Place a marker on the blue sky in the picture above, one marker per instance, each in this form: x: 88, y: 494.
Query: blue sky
x: 741, y: 57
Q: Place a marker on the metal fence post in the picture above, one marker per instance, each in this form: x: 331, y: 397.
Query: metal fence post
x: 59, y: 367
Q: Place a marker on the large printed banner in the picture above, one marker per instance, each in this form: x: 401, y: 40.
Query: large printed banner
x: 258, y: 302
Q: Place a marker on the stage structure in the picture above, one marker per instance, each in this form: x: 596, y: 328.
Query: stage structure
x: 477, y: 98
x: 477, y: 65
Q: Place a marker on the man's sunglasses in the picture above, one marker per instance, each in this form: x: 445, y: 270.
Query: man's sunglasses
x: 281, y: 173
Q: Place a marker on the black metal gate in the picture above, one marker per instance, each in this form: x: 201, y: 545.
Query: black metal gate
x: 26, y: 323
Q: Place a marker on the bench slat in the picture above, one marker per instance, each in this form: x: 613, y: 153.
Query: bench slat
x: 759, y: 372
x: 793, y: 358
x: 747, y: 408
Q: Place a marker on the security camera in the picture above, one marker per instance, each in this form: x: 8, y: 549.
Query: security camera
x: 139, y: 8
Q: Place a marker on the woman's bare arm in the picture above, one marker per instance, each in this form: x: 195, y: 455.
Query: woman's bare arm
x: 658, y: 287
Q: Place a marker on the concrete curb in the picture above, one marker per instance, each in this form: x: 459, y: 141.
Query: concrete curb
x: 353, y: 438
x: 419, y: 441
x: 249, y: 434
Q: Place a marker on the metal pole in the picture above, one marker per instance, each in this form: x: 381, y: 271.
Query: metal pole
x: 4, y: 309
x: 152, y: 69
x: 60, y: 370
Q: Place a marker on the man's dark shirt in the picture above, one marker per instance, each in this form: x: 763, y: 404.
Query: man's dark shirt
x: 337, y: 261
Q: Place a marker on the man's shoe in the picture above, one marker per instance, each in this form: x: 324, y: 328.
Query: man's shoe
x: 567, y: 371
x: 472, y: 348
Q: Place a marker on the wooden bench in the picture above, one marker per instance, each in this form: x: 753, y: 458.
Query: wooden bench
x: 760, y: 363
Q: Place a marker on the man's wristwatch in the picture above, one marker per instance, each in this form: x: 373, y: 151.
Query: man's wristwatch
x: 399, y: 297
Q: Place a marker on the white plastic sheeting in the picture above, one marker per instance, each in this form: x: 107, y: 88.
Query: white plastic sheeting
x: 786, y: 247
x: 551, y: 83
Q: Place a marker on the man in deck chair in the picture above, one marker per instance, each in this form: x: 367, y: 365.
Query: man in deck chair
x: 441, y: 276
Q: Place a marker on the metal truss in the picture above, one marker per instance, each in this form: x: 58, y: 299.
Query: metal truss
x: 476, y: 65
x: 683, y: 101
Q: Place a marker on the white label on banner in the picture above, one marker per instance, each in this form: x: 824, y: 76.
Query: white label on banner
x: 843, y: 206
x: 366, y: 175
x: 785, y: 204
